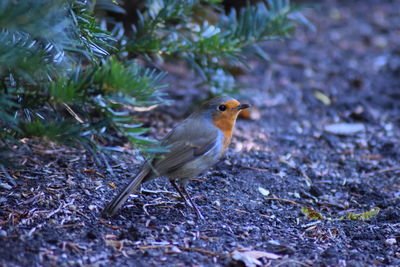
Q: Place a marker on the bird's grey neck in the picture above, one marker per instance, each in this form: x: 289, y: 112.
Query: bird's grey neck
x: 203, y: 116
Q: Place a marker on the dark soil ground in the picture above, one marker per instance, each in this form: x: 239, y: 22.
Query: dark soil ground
x: 347, y: 71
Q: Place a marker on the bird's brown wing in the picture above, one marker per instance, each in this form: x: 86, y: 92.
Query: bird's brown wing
x: 191, y: 139
x: 182, y: 152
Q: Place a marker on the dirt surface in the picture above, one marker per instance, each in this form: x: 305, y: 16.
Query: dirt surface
x: 293, y: 157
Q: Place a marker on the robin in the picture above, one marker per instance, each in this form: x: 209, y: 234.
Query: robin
x: 194, y: 145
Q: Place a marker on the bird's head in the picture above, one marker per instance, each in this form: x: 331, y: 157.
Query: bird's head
x: 223, y: 110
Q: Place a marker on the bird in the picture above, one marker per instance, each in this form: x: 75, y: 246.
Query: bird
x: 193, y: 146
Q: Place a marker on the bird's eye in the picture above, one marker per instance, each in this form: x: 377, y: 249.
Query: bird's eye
x: 221, y: 107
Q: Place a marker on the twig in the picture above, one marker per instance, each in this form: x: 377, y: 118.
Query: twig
x: 33, y: 199
x: 283, y: 199
x: 70, y: 225
x: 71, y: 246
x: 384, y: 170
x: 7, y: 175
x: 198, y: 250
x: 54, y: 211
x: 292, y: 261
x: 306, y: 178
x: 256, y: 169
x: 240, y: 211
x: 330, y: 205
x: 114, y: 227
x: 147, y: 191
x: 82, y: 214
x: 155, y: 246
x: 156, y: 204
x: 69, y: 109
x: 202, y: 251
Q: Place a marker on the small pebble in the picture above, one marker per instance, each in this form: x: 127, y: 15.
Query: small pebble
x: 176, y: 249
x: 178, y: 229
x: 3, y: 233
x: 390, y: 241
x: 72, y: 207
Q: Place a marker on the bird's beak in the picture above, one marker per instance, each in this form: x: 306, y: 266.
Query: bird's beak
x: 243, y: 106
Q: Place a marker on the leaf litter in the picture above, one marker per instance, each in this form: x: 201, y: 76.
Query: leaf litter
x: 50, y: 207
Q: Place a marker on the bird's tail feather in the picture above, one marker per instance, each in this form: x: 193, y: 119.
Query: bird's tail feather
x: 120, y: 199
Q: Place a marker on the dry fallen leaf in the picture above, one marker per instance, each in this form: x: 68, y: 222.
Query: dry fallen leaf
x: 112, y: 185
x: 312, y: 213
x: 250, y: 258
x: 89, y: 171
x: 323, y: 98
x: 115, y: 243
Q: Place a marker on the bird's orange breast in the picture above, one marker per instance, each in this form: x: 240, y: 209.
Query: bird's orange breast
x: 225, y: 121
x: 227, y: 130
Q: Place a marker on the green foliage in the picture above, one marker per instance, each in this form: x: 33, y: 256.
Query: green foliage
x: 210, y: 43
x: 70, y: 74
x: 312, y: 214
x: 59, y: 81
x: 364, y: 216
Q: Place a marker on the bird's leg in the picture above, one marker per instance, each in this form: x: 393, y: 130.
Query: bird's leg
x: 198, y: 213
x: 182, y: 192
